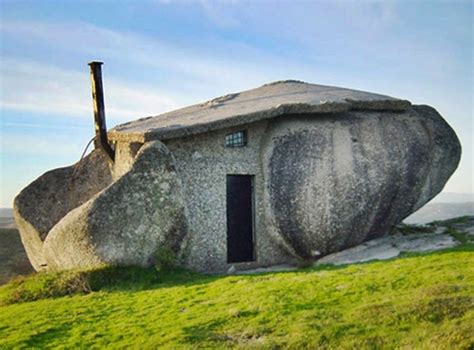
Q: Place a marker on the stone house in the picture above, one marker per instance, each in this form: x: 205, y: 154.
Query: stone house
x: 286, y: 172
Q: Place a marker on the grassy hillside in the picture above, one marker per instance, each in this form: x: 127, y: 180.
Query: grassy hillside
x: 417, y: 301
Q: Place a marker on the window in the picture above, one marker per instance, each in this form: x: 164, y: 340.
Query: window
x: 236, y: 139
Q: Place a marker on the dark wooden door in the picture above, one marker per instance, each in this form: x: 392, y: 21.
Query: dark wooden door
x: 240, y: 245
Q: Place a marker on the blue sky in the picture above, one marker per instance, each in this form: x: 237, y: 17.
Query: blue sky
x: 161, y: 55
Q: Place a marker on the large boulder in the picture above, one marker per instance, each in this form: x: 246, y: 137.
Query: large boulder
x: 126, y: 223
x: 347, y: 178
x: 79, y: 217
x: 49, y: 198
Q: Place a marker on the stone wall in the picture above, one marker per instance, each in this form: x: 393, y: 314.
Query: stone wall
x: 203, y: 162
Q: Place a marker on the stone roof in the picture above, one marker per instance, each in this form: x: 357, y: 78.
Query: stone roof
x: 268, y: 101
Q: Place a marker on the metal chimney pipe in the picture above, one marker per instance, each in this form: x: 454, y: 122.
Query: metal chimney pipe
x: 99, y: 109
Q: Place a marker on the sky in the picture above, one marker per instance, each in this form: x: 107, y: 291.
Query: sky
x: 161, y: 55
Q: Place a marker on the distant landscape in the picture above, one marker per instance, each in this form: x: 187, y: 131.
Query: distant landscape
x: 444, y: 206
x: 6, y: 218
x: 13, y: 259
x: 440, y: 211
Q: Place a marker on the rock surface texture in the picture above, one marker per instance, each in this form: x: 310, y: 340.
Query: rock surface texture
x: 123, y: 224
x: 433, y: 237
x: 331, y: 168
x: 344, y: 179
x: 54, y: 194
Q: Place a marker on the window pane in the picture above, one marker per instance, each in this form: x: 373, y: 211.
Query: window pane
x: 236, y: 139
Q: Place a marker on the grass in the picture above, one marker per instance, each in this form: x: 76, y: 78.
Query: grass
x: 418, y: 301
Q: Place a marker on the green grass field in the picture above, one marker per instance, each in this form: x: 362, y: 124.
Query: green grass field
x: 417, y: 301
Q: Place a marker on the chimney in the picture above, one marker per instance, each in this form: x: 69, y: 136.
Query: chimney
x: 99, y: 110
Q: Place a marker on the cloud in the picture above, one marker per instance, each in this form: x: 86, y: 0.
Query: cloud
x: 144, y: 76
x: 35, y: 87
x: 364, y: 36
x: 49, y: 126
x: 57, y: 146
x: 132, y: 51
x: 218, y: 13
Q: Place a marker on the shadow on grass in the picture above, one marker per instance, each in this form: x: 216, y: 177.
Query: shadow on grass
x: 205, y: 332
x: 107, y: 279
x: 56, y: 284
x: 42, y: 339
